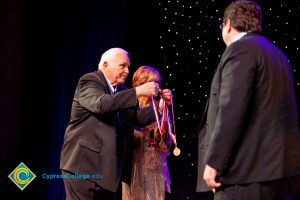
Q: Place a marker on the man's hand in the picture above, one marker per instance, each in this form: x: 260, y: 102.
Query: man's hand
x: 148, y: 89
x: 209, y: 177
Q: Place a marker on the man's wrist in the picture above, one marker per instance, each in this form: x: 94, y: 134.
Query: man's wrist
x: 138, y: 92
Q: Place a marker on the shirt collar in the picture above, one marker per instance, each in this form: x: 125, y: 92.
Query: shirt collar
x: 239, y: 36
x: 112, y: 89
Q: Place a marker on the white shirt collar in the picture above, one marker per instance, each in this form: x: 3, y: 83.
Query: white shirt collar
x: 111, y: 88
x: 239, y: 36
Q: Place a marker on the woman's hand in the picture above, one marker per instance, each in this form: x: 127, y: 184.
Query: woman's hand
x: 167, y: 96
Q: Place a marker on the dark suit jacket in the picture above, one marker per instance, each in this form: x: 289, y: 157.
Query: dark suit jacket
x: 100, y: 129
x: 252, y: 132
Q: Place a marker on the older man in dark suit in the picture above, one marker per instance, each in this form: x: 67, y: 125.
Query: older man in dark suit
x: 103, y: 115
x: 250, y: 144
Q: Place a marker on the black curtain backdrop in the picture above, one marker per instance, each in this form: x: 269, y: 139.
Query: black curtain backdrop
x: 45, y: 46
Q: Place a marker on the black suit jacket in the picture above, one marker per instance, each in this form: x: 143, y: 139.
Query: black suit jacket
x: 252, y: 133
x: 100, y: 130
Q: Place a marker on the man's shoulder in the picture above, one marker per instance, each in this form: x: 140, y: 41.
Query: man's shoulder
x: 250, y: 42
x: 91, y: 76
x: 252, y: 39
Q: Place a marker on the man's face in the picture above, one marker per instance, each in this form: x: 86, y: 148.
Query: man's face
x: 117, y: 69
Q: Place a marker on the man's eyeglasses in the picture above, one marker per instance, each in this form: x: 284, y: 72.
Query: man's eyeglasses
x: 221, y: 26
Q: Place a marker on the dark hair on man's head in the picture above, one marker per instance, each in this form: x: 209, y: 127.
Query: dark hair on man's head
x: 245, y: 16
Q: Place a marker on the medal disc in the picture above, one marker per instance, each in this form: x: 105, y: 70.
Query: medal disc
x: 176, y: 151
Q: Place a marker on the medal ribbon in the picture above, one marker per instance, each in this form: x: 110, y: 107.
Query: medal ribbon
x: 155, y: 109
x: 165, y: 119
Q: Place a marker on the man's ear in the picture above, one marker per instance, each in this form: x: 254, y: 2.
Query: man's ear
x: 105, y: 66
x: 228, y: 23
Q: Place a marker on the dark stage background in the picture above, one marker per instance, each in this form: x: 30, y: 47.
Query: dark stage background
x: 45, y: 46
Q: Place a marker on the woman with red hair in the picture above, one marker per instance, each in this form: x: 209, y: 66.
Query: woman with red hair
x: 150, y: 174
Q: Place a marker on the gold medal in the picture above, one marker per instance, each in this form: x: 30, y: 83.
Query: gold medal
x: 176, y: 151
x: 162, y: 146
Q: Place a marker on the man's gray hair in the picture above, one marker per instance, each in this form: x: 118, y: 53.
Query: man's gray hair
x: 110, y: 54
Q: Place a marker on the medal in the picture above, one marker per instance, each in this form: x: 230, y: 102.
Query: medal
x: 176, y: 151
x: 163, y: 146
x: 165, y: 123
